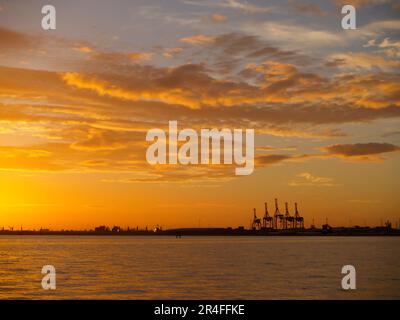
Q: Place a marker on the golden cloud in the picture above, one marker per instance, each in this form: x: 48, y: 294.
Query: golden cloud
x: 83, y: 49
x: 198, y: 39
x: 94, y: 119
x: 219, y: 17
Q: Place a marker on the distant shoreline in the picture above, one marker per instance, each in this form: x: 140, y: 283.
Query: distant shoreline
x: 378, y: 231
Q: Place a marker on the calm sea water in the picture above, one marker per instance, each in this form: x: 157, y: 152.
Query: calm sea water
x: 199, y: 267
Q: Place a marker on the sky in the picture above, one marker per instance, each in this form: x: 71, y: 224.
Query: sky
x: 76, y: 104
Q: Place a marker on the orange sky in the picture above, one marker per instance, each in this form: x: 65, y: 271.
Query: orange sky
x: 76, y: 103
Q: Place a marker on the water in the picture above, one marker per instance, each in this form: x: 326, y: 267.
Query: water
x: 199, y: 267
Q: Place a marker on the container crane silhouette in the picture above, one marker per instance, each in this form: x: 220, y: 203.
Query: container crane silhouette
x: 278, y: 216
x: 256, y: 225
x: 268, y: 221
x: 299, y: 221
x: 289, y: 220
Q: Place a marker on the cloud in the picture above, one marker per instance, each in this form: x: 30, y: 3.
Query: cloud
x: 219, y: 18
x: 94, y: 118
x: 308, y: 179
x: 270, y: 148
x: 386, y: 43
x: 377, y: 27
x: 252, y: 46
x: 294, y: 35
x: 287, y: 97
x: 194, y: 87
x: 283, y: 92
x: 83, y: 49
x: 174, y: 86
x: 363, y: 3
x: 396, y: 6
x: 107, y: 140
x: 92, y: 115
x: 240, y: 5
x: 231, y: 51
x: 391, y: 133
x: 245, y: 6
x: 94, y: 163
x: 308, y: 8
x: 121, y: 58
x: 16, y: 40
x: 270, y: 159
x: 140, y: 56
x: 170, y: 53
x: 388, y: 47
x: 354, y: 61
x: 360, y: 149
x: 198, y: 39
x: 29, y: 47
x: 270, y: 82
x: 32, y: 158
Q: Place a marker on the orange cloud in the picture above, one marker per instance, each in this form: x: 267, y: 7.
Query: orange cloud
x: 140, y: 56
x: 198, y: 39
x: 362, y: 3
x: 219, y: 17
x: 170, y: 53
x: 83, y: 49
x: 121, y: 57
x: 15, y: 40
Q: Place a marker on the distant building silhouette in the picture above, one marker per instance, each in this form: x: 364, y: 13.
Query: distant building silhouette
x: 102, y: 229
